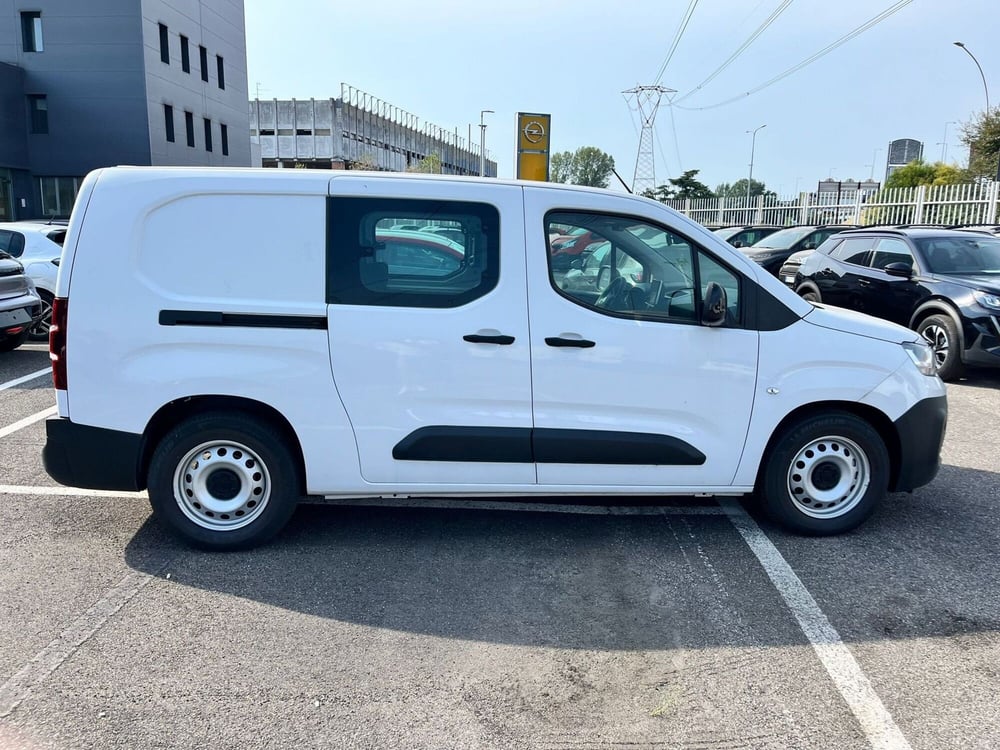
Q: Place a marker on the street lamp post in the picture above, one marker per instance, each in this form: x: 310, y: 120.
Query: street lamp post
x: 985, y: 88
x: 981, y: 73
x: 482, y: 141
x: 753, y: 143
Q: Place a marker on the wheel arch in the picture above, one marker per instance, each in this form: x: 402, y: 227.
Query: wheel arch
x: 174, y: 412
x: 877, y: 419
x: 936, y: 306
x: 808, y: 285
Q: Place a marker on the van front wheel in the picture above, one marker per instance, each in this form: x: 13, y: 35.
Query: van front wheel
x: 223, y: 481
x: 825, y: 474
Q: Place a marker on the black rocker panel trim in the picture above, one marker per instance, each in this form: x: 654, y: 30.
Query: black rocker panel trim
x: 544, y: 445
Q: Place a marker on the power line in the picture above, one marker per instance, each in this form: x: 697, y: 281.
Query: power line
x: 677, y: 39
x: 741, y: 49
x: 677, y: 147
x: 813, y: 58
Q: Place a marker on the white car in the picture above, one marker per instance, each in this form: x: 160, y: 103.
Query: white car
x: 38, y: 245
x: 232, y: 388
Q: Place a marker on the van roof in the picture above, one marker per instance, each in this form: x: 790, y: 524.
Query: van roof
x: 311, y: 175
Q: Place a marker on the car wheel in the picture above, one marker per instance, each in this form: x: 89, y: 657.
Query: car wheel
x: 809, y: 294
x: 10, y: 344
x: 40, y: 331
x: 825, y: 474
x: 223, y: 481
x: 942, y: 334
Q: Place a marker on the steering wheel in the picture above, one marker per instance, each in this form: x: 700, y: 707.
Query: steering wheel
x: 618, y: 295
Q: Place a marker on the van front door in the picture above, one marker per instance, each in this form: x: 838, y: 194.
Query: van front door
x: 629, y: 389
x: 428, y: 329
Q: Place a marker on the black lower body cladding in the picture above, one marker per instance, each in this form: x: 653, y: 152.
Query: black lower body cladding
x: 95, y: 458
x: 921, y: 434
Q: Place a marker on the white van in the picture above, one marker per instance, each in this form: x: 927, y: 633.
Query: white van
x: 237, y: 339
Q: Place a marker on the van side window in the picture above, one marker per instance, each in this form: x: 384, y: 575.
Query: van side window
x: 410, y: 253
x: 625, y: 266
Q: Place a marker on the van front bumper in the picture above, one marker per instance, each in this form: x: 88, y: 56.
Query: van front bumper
x: 93, y: 458
x: 921, y: 434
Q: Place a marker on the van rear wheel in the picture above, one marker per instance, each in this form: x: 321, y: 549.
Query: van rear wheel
x: 223, y: 481
x: 825, y: 474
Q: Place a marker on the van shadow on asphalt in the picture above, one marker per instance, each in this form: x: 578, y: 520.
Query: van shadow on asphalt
x: 923, y: 566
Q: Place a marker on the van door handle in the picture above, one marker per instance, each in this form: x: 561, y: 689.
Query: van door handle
x: 479, y: 338
x: 560, y: 341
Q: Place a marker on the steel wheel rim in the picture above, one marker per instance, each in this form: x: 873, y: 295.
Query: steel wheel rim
x: 828, y: 477
x: 937, y: 337
x: 222, y: 485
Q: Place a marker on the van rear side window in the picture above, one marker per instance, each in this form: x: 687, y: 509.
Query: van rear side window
x: 410, y: 253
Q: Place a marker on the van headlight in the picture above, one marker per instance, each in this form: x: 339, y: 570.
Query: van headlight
x: 922, y: 356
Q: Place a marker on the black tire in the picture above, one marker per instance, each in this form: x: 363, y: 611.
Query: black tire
x: 843, y: 441
x: 943, y: 335
x: 244, y: 454
x: 40, y: 331
x: 10, y: 344
x: 809, y: 294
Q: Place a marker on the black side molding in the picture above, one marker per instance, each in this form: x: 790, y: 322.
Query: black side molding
x: 240, y: 320
x: 547, y: 446
x: 505, y: 445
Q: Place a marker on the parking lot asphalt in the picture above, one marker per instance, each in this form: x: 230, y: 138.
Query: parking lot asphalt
x: 631, y: 624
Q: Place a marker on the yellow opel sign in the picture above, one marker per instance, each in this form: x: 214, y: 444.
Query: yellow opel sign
x: 533, y: 146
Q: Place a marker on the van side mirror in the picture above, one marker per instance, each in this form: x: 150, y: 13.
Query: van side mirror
x: 810, y: 245
x: 738, y: 243
x: 900, y: 269
x: 714, y: 306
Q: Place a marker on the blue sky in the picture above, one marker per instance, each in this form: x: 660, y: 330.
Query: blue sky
x: 445, y: 60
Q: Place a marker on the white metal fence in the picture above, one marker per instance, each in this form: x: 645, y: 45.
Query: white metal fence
x: 972, y: 203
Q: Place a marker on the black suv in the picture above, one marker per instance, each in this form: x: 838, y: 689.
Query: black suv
x: 944, y: 284
x: 742, y: 235
x: 774, y: 249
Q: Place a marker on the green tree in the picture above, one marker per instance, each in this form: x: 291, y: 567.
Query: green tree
x: 681, y: 188
x: 982, y: 135
x: 588, y: 165
x: 430, y: 164
x: 561, y: 166
x: 919, y: 172
x: 738, y: 189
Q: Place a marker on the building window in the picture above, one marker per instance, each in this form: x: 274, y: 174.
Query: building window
x: 31, y: 31
x: 185, y: 55
x: 222, y: 73
x: 189, y: 126
x: 204, y: 62
x: 38, y: 109
x: 208, y: 134
x: 58, y: 195
x: 168, y: 122
x: 164, y: 44
x: 224, y: 133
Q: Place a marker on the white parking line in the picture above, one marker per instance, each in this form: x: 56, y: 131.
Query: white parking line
x: 16, y: 489
x: 876, y: 721
x: 22, y: 423
x: 17, y: 381
x: 50, y: 658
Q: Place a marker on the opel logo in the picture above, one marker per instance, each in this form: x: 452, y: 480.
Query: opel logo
x: 534, y: 131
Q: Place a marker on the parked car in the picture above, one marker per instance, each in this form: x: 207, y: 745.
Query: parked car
x: 231, y: 395
x: 772, y: 251
x: 744, y: 236
x: 38, y: 245
x: 20, y: 306
x: 944, y: 284
x: 791, y: 266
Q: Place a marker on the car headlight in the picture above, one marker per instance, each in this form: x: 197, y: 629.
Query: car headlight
x: 987, y: 300
x: 922, y: 356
